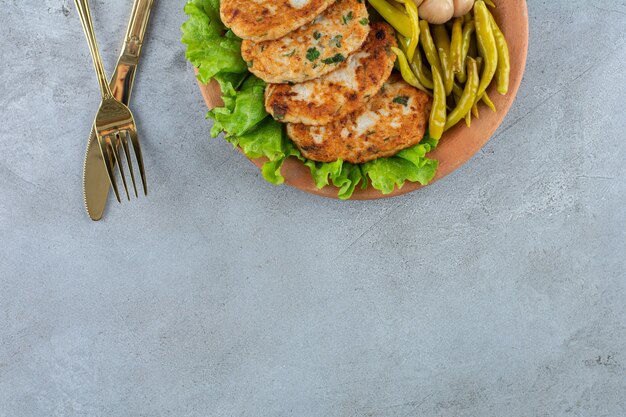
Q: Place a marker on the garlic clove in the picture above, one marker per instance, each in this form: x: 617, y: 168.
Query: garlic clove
x: 462, y: 7
x: 437, y: 11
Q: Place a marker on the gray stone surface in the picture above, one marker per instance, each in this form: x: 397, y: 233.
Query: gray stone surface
x: 499, y: 291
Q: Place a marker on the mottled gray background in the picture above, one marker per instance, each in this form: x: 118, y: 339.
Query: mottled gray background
x: 499, y: 291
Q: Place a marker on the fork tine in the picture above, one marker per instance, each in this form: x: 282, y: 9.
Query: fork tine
x: 105, y: 149
x: 118, y: 159
x: 124, y: 140
x: 135, y: 141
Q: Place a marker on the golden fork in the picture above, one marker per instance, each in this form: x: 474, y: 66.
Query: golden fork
x: 114, y: 122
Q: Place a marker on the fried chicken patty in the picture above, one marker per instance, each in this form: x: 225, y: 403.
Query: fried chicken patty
x: 391, y: 121
x: 318, y: 102
x: 262, y: 20
x: 312, y: 50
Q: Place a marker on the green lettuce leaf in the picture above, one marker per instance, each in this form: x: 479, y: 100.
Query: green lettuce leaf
x: 341, y: 174
x: 408, y: 165
x: 265, y: 140
x: 216, y: 52
x: 243, y: 109
x: 210, y: 46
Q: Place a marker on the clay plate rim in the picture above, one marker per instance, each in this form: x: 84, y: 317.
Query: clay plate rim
x: 458, y: 145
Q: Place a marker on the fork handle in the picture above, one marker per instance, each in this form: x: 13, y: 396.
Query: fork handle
x: 86, y: 21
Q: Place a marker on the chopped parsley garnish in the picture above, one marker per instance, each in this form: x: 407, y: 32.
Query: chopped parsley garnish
x: 312, y: 54
x: 336, y: 41
x: 334, y: 59
x: 347, y: 18
x: 404, y: 100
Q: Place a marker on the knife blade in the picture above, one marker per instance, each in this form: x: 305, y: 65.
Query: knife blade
x: 96, y: 185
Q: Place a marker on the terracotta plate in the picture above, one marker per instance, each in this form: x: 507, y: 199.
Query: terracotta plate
x: 457, y: 145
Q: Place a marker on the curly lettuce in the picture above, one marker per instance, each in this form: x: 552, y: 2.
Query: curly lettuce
x: 211, y: 47
x: 216, y: 52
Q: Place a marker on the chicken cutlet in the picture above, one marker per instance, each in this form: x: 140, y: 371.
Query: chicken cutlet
x: 318, y: 102
x: 263, y: 20
x: 314, y: 49
x: 393, y: 120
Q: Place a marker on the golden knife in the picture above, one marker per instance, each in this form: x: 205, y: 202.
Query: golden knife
x: 96, y: 184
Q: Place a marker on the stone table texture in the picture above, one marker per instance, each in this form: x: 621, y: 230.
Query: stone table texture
x: 499, y: 291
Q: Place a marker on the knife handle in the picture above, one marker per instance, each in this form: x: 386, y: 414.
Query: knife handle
x: 124, y: 76
x: 136, y: 31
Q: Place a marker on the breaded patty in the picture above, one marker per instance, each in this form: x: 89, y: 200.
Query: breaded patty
x: 318, y: 102
x: 392, y: 120
x: 262, y: 20
x: 313, y: 50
